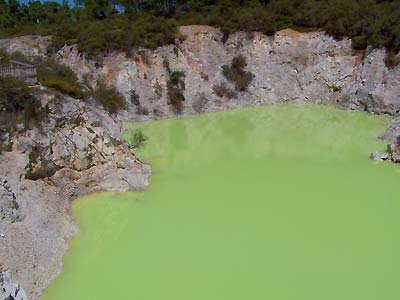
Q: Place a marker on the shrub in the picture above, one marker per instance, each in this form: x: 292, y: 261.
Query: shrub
x: 222, y: 90
x: 136, y: 139
x: 176, y: 79
x: 64, y: 87
x: 236, y: 74
x: 49, y: 73
x: 96, y: 38
x: 142, y: 110
x: 57, y: 76
x: 5, y: 58
x: 392, y: 60
x: 176, y: 86
x: 176, y: 98
x: 18, y: 105
x: 110, y: 99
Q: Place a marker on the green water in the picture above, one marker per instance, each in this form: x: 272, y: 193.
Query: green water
x: 276, y: 202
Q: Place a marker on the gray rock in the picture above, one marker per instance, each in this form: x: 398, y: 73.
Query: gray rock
x: 10, y: 290
x: 31, y: 45
x: 309, y: 67
x: 379, y: 156
x: 9, y: 208
x: 5, y: 276
x: 394, y: 150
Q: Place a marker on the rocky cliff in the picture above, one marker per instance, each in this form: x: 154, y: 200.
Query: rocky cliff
x: 80, y: 149
x: 289, y: 66
x: 77, y: 150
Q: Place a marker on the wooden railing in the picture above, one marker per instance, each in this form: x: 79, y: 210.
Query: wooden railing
x: 20, y: 71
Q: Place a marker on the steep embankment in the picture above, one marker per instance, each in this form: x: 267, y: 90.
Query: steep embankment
x: 77, y: 150
x: 289, y: 66
x: 80, y: 146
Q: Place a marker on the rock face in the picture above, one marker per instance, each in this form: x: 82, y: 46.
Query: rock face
x: 77, y: 150
x: 289, y: 66
x: 85, y: 149
x: 392, y: 135
x: 31, y: 45
x: 394, y: 150
x: 9, y: 208
x: 8, y: 290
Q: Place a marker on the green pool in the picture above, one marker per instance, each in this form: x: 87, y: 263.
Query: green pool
x: 278, y: 202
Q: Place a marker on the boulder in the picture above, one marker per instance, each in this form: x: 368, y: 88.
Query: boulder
x: 379, y: 156
x: 9, y: 290
x: 395, y: 152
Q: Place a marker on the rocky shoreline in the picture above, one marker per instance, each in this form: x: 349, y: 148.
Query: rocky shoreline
x: 79, y: 150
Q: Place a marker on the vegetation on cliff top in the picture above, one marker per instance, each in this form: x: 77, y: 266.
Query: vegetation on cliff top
x: 49, y: 73
x: 99, y: 26
x: 18, y: 106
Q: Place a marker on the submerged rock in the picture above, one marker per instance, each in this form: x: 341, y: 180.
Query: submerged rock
x: 379, y: 156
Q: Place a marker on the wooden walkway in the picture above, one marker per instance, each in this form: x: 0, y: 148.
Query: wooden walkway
x: 20, y: 70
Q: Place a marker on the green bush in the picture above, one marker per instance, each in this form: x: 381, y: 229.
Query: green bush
x: 57, y: 76
x: 98, y: 28
x: 236, y: 74
x: 5, y: 58
x: 136, y: 139
x: 222, y: 90
x: 142, y: 110
x: 64, y: 87
x: 110, y: 99
x: 175, y: 88
x: 392, y: 60
x: 49, y: 73
x: 176, y: 98
x: 96, y: 38
x: 177, y: 80
x: 18, y: 105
